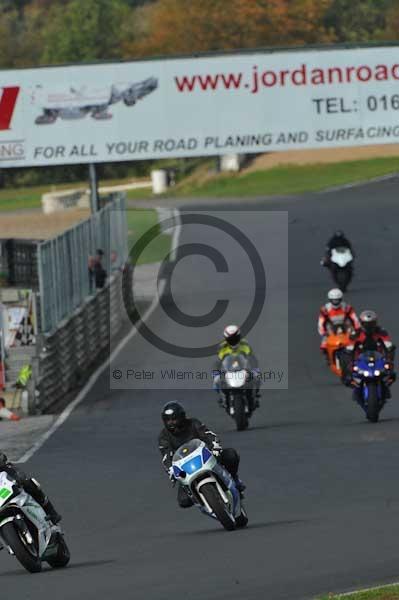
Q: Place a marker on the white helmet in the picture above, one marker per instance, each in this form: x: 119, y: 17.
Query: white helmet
x: 335, y: 297
x: 232, y: 335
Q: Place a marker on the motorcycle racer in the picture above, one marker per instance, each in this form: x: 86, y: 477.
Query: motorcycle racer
x: 370, y: 337
x: 233, y: 343
x: 180, y: 429
x: 337, y: 240
x: 335, y: 312
x: 31, y: 486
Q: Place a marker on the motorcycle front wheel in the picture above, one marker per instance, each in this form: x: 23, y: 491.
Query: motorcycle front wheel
x: 342, y: 278
x: 240, y: 415
x: 373, y: 403
x: 27, y: 556
x: 217, y: 505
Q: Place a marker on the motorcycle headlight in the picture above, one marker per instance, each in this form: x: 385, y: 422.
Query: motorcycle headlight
x: 377, y: 372
x: 236, y: 379
x: 366, y: 373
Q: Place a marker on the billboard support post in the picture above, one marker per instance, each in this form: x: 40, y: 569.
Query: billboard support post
x: 93, y: 188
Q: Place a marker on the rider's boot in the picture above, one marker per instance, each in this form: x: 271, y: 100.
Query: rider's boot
x: 51, y: 512
x: 325, y: 354
x: 239, y: 485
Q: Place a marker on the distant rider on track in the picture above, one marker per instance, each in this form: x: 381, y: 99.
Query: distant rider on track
x: 233, y: 343
x: 337, y: 240
x: 370, y: 337
x: 335, y: 312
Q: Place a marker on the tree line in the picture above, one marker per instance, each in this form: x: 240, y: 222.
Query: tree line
x: 37, y: 32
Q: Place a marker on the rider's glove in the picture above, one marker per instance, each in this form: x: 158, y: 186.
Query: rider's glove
x: 216, y: 449
x: 171, y: 474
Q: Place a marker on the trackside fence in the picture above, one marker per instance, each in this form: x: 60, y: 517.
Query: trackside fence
x: 77, y: 321
x: 64, y: 281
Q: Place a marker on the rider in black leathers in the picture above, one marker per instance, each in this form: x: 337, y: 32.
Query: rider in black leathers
x: 179, y: 430
x: 30, y: 486
x: 337, y: 240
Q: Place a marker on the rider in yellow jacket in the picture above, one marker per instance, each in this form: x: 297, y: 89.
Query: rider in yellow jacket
x: 233, y: 343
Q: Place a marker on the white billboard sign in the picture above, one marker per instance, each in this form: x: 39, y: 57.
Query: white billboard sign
x: 239, y: 103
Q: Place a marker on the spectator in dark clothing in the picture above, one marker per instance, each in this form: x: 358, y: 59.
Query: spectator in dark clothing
x: 90, y: 266
x: 97, y: 273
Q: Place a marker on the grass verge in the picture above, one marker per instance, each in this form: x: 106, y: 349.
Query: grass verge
x: 292, y: 179
x: 31, y: 197
x: 139, y: 222
x: 389, y: 592
x: 281, y: 180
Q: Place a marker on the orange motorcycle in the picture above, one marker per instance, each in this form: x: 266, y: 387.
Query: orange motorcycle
x: 337, y: 339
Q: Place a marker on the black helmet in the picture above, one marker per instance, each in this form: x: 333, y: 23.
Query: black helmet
x: 173, y: 416
x: 368, y: 320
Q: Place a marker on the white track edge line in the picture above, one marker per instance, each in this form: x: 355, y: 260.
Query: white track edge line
x: 355, y: 184
x: 370, y: 589
x: 82, y: 394
x: 176, y: 234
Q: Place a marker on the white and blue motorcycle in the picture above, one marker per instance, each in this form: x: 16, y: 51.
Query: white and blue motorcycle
x: 209, y: 485
x: 26, y: 531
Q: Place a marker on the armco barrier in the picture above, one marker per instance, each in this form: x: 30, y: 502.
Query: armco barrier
x: 69, y: 353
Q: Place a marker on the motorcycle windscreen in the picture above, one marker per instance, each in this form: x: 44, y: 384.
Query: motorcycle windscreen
x: 234, y: 362
x: 186, y: 449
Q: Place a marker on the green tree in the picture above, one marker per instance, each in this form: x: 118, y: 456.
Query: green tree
x: 8, y: 38
x: 84, y: 31
x: 358, y: 20
x: 187, y: 26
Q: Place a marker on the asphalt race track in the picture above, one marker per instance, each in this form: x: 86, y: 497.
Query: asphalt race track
x: 322, y: 482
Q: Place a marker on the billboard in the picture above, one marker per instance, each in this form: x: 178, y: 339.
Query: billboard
x: 239, y: 103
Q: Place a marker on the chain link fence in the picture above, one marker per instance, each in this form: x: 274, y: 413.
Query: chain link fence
x: 64, y: 278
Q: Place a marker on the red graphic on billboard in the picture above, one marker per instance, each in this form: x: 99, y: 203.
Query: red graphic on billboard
x: 7, y: 106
